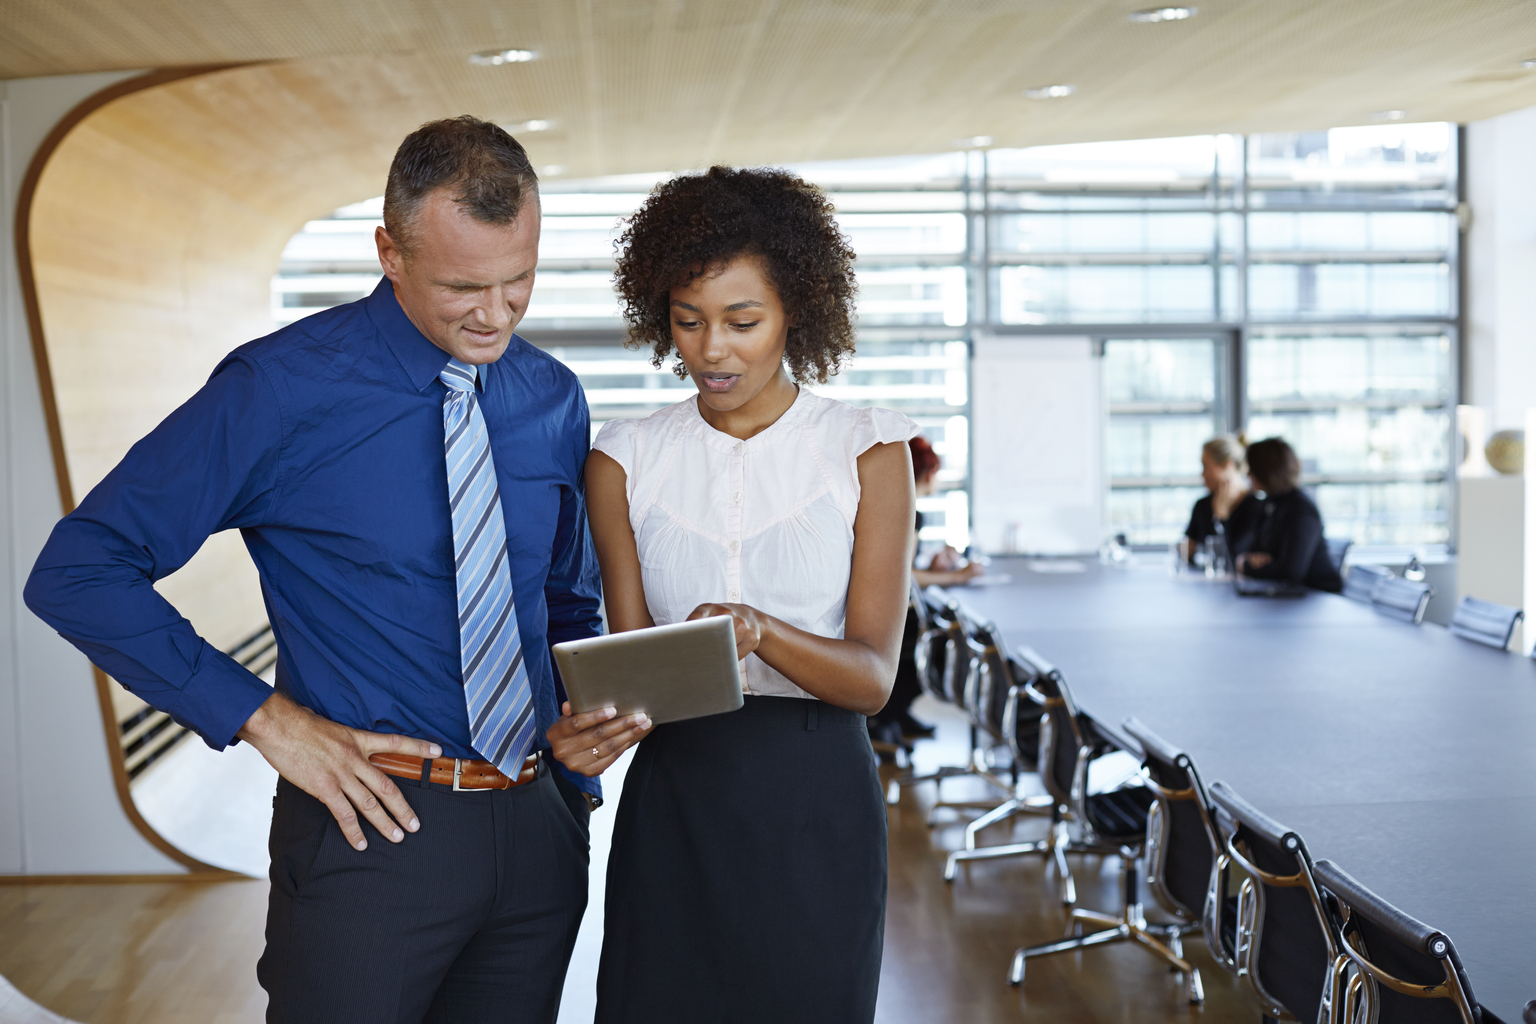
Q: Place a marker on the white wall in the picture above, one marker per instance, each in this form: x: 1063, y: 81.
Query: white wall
x: 59, y: 811
x: 1497, y: 517
x: 1037, y: 452
x: 1501, y: 267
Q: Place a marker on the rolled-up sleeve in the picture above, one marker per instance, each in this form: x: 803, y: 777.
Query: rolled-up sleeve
x: 213, y: 464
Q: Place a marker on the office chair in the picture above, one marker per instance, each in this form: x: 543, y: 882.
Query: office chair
x: 1179, y: 847
x: 1282, y: 947
x: 1337, y: 549
x: 1401, y: 599
x: 1485, y: 622
x: 1391, y: 969
x: 1107, y: 823
x: 934, y: 613
x: 943, y: 658
x: 1001, y: 716
x: 1067, y: 744
x: 1360, y: 580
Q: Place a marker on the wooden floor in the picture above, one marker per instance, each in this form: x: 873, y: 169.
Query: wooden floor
x: 151, y: 953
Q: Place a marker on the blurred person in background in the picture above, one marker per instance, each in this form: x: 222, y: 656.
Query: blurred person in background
x: 894, y: 725
x: 1288, y: 542
x: 1230, y: 510
x: 946, y: 567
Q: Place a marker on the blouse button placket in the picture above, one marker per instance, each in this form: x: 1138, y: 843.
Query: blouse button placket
x: 736, y: 485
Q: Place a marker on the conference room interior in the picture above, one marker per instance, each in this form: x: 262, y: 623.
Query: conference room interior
x: 1090, y: 237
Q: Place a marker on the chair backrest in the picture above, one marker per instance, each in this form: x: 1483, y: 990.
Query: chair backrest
x: 986, y: 691
x: 1400, y: 970
x: 1284, y: 948
x: 1021, y: 717
x: 1362, y: 579
x: 1061, y: 738
x: 959, y: 656
x: 1400, y: 598
x: 1485, y: 622
x: 1337, y: 549
x: 932, y: 644
x: 919, y: 606
x: 1181, y: 837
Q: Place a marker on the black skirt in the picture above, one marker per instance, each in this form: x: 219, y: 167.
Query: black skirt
x: 747, y: 876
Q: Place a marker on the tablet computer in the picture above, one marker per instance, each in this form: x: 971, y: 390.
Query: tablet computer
x: 672, y: 672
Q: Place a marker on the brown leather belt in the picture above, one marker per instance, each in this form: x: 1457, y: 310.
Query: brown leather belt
x: 462, y: 775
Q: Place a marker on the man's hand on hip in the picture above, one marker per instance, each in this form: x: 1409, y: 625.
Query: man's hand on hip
x: 330, y: 763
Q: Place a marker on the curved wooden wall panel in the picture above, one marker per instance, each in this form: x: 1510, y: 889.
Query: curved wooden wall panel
x: 155, y: 229
x: 152, y: 229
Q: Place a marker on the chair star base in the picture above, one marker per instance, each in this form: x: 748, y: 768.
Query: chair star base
x: 1164, y: 941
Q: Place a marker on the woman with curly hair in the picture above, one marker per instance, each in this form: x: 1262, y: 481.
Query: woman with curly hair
x: 747, y: 875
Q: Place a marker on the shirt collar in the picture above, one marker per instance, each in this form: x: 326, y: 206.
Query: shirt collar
x: 421, y: 360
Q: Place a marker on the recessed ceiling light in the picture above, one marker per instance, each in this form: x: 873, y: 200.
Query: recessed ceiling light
x: 1153, y: 15
x: 1389, y: 115
x: 551, y: 170
x: 974, y: 142
x: 1050, y: 92
x: 535, y: 125
x: 1529, y: 65
x: 491, y: 58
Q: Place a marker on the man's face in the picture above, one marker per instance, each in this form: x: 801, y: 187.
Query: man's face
x: 466, y: 284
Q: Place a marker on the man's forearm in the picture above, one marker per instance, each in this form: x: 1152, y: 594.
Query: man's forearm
x: 130, y: 632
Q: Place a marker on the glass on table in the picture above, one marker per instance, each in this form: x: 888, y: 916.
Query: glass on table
x: 1214, y: 557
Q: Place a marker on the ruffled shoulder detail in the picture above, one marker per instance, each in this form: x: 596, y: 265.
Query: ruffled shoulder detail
x: 880, y: 426
x: 616, y: 439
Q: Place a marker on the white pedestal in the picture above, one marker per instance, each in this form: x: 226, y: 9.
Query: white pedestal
x: 1491, y: 535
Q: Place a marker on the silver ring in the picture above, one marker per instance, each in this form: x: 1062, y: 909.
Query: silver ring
x: 596, y: 754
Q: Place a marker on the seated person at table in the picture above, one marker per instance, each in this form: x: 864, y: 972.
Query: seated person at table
x: 1230, y: 510
x: 895, y: 722
x: 945, y: 568
x: 1288, y: 543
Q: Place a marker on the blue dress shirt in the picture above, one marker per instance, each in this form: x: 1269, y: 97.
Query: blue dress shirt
x: 323, y: 444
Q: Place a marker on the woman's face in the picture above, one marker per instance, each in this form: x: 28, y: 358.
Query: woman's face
x: 1213, y: 473
x: 730, y: 329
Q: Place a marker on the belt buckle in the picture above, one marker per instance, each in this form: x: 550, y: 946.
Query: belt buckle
x: 458, y: 770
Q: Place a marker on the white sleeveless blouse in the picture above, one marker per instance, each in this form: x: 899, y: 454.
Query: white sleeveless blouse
x: 766, y: 522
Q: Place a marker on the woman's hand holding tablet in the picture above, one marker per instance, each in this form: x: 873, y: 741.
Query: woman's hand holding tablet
x: 623, y: 684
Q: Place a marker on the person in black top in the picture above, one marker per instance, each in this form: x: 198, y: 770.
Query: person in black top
x: 1230, y: 510
x: 894, y: 724
x: 1288, y: 544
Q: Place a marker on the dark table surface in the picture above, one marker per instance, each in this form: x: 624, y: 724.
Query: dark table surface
x: 1405, y: 755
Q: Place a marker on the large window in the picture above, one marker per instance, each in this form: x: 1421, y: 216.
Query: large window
x: 1322, y: 264
x: 1297, y: 284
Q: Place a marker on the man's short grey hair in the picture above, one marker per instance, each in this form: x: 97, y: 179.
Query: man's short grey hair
x: 486, y: 170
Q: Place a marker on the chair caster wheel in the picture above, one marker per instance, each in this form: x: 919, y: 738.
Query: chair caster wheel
x: 1196, y: 988
x: 1016, y: 972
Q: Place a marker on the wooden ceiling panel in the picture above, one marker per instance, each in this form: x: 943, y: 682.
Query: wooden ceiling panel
x: 668, y: 84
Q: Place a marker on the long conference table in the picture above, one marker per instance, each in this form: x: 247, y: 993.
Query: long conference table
x: 1402, y: 753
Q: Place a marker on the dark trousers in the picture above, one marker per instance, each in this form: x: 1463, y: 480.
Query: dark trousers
x: 471, y: 919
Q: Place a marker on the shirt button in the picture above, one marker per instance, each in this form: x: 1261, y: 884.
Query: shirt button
x: 736, y: 447
x: 735, y: 545
x: 734, y: 595
x: 737, y: 498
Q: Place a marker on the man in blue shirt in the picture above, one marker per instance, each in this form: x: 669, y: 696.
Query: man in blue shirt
x: 407, y: 475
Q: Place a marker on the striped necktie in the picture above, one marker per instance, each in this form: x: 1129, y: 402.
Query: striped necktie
x: 501, y: 719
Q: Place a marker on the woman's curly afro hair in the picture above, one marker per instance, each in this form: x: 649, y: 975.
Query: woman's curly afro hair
x: 696, y: 223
